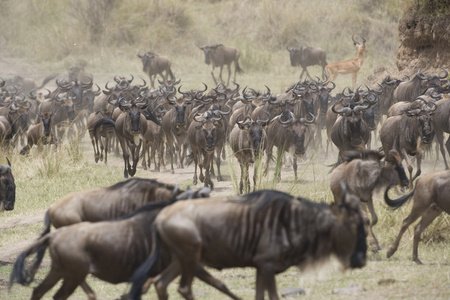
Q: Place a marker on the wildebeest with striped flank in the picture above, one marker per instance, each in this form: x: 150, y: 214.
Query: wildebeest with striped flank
x: 7, y: 188
x: 218, y: 56
x: 268, y: 230
x: 109, y: 250
x: 430, y: 200
x: 364, y: 172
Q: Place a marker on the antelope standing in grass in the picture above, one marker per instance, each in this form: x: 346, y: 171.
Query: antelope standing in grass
x: 350, y: 66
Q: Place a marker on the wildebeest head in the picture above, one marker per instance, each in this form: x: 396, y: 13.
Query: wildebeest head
x: 425, y: 119
x: 208, y: 50
x: 133, y: 108
x: 208, y: 126
x: 350, y: 249
x: 354, y: 126
x: 256, y: 132
x: 18, y: 114
x: 179, y: 105
x: 46, y: 119
x: 7, y: 188
x: 294, y: 54
x: 66, y: 102
x: 299, y: 128
x: 398, y: 175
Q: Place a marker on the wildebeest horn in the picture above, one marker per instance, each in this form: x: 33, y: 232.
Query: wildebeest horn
x: 343, y: 111
x: 130, y: 80
x: 290, y: 119
x: 264, y: 122
x: 446, y: 74
x: 360, y: 108
x: 312, y: 120
x: 420, y: 75
x: 141, y: 85
x: 171, y: 102
x: 9, y: 163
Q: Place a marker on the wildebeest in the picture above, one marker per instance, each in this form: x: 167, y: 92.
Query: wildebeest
x: 441, y: 123
x: 430, y: 200
x: 40, y: 134
x: 206, y: 134
x: 101, y: 133
x: 130, y: 127
x: 410, y: 90
x: 248, y: 140
x: 305, y: 56
x: 409, y: 133
x: 154, y: 64
x: 106, y: 203
x: 288, y: 134
x: 365, y: 172
x: 7, y: 188
x: 350, y: 131
x: 218, y: 56
x: 175, y: 125
x: 109, y: 250
x: 350, y: 66
x: 268, y: 230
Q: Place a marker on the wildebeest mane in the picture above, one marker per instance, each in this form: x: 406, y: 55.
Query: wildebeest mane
x: 364, y: 154
x: 146, y: 208
x: 135, y: 181
x: 266, y: 199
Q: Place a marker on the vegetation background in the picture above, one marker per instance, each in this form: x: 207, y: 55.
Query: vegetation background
x: 47, y: 36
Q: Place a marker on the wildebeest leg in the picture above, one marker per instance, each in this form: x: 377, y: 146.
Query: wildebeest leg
x: 203, y: 275
x: 126, y: 157
x: 279, y: 165
x: 408, y: 164
x: 241, y: 181
x: 165, y: 278
x: 416, y: 211
x: 373, y: 222
x: 432, y: 213
x: 93, y: 142
x: 87, y: 289
x: 135, y: 156
x: 218, y: 162
x: 212, y: 74
x: 303, y: 72
x: 367, y: 223
x: 265, y: 280
x: 106, y: 147
x: 194, y: 179
x: 68, y: 287
x: 229, y: 73
x: 256, y: 174
x: 294, y: 166
x: 49, y: 282
x: 208, y: 158
x: 419, y: 169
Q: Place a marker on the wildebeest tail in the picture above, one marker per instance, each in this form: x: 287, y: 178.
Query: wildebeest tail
x: 19, y: 272
x: 142, y: 273
x: 103, y: 121
x: 396, y: 203
x: 238, y: 68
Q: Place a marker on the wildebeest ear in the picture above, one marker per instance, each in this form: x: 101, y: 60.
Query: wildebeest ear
x: 396, y: 156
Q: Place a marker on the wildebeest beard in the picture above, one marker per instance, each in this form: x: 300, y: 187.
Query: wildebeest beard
x: 427, y: 132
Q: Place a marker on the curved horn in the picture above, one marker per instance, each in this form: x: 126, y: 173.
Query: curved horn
x: 446, y: 74
x: 343, y: 111
x: 289, y: 121
x: 130, y: 80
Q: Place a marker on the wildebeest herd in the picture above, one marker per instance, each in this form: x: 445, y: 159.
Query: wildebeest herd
x: 146, y: 232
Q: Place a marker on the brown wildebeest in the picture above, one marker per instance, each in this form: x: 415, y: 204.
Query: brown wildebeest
x: 410, y: 133
x: 218, y: 56
x: 364, y: 173
x: 248, y: 140
x: 130, y: 127
x: 305, y: 56
x: 350, y: 66
x: 109, y: 250
x: 268, y: 230
x: 154, y: 64
x: 410, y: 90
x: 206, y: 134
x: 175, y: 124
x: 7, y: 188
x: 289, y: 135
x: 105, y: 203
x: 40, y: 134
x: 430, y: 200
x: 101, y: 132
